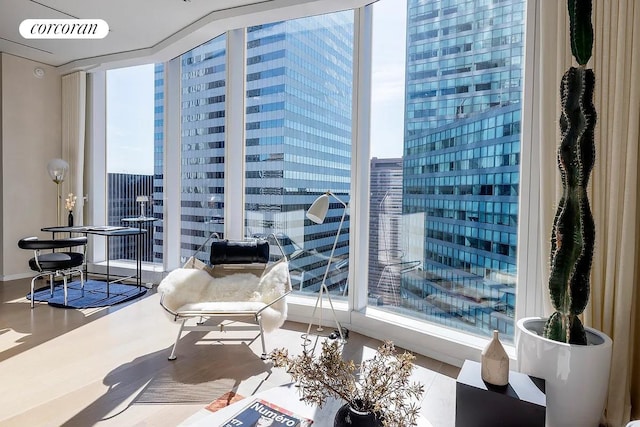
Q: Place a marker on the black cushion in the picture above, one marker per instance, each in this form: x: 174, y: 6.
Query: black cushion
x: 35, y: 243
x: 239, y: 252
x: 57, y: 261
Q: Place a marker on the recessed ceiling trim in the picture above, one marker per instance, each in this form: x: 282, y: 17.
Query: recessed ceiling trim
x: 25, y: 45
x: 209, y: 27
x: 54, y: 9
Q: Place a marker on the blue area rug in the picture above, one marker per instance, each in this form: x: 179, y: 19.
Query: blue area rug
x: 95, y: 294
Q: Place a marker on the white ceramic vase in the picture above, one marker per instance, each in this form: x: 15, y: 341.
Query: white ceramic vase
x: 495, y: 363
x: 576, y: 376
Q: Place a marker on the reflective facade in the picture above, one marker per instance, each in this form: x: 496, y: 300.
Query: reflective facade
x: 443, y: 217
x: 123, y: 188
x: 464, y: 57
x: 203, y: 88
x: 157, y: 198
x: 298, y: 139
x: 461, y: 162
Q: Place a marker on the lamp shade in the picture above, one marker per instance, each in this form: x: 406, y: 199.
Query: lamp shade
x: 318, y: 210
x: 57, y: 169
x: 142, y: 199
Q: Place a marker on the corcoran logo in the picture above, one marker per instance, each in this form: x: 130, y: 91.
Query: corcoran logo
x: 64, y: 29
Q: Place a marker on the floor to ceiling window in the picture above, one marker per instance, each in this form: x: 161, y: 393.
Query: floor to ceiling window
x: 445, y: 173
x: 130, y: 156
x: 445, y: 142
x: 158, y: 162
x: 299, y: 80
x: 203, y: 74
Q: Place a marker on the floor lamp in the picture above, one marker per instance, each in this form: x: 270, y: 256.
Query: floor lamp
x: 57, y: 169
x: 317, y: 213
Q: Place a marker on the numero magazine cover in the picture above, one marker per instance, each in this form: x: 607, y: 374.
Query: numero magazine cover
x: 261, y: 413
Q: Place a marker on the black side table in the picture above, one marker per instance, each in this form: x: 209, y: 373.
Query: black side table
x: 144, y: 244
x: 521, y: 403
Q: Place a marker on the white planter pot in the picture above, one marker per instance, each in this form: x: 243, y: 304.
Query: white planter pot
x: 576, y: 376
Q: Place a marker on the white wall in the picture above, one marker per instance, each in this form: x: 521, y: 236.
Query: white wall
x: 30, y: 136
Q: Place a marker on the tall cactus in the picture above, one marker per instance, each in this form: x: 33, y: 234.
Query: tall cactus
x: 573, y: 233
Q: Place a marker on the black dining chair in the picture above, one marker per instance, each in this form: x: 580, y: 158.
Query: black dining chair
x: 55, y: 264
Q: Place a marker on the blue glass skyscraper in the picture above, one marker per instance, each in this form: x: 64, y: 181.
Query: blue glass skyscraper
x: 297, y: 138
x: 298, y: 135
x: 202, y: 145
x: 462, y: 157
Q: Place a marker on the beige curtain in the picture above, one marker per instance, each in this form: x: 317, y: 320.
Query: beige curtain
x: 615, y: 193
x: 614, y: 181
x: 553, y: 57
x: 74, y: 100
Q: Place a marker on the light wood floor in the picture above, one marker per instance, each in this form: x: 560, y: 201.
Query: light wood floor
x: 109, y: 367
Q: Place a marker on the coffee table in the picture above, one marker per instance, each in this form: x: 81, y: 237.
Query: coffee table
x: 285, y: 396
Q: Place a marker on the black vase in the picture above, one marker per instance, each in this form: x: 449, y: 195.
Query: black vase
x: 70, y: 219
x: 349, y: 417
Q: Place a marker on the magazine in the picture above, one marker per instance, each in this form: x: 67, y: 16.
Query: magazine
x: 260, y: 413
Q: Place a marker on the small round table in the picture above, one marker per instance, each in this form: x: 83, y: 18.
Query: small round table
x: 140, y: 222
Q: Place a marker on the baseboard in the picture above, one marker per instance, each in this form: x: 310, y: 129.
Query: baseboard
x: 18, y: 276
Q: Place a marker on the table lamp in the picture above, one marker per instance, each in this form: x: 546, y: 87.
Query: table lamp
x: 142, y: 200
x: 317, y: 213
x: 57, y: 169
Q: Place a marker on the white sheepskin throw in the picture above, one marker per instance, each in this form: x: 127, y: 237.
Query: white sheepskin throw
x: 188, y: 289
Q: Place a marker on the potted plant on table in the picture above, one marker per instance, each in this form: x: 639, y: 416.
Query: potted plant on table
x: 573, y: 360
x: 69, y: 204
x: 377, y: 392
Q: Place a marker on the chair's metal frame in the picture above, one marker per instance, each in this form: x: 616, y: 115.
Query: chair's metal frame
x: 38, y: 245
x: 206, y: 316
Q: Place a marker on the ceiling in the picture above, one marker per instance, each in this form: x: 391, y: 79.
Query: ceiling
x: 142, y: 30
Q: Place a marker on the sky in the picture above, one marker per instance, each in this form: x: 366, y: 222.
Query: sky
x: 387, y: 79
x: 130, y: 120
x: 130, y: 99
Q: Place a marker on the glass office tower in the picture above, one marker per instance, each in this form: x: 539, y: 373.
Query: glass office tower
x: 461, y: 159
x: 298, y: 140
x: 203, y: 107
x: 123, y: 189
x: 157, y: 193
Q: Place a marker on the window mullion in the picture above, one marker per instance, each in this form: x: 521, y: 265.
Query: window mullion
x: 234, y: 162
x: 97, y: 160
x: 172, y: 166
x: 360, y: 150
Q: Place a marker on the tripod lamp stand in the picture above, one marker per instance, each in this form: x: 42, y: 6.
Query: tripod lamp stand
x: 57, y: 169
x: 317, y: 213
